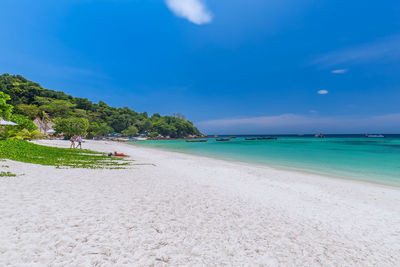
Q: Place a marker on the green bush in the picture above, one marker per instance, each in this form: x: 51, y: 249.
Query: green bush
x: 25, y: 129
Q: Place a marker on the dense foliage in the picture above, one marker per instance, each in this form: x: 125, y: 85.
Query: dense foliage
x: 5, y: 108
x: 130, y: 131
x: 71, y: 126
x: 31, y: 100
x: 25, y: 128
x: 20, y: 150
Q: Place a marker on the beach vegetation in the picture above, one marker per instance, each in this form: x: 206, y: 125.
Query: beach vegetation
x: 25, y: 128
x: 24, y: 151
x: 24, y: 134
x: 34, y: 101
x: 7, y: 174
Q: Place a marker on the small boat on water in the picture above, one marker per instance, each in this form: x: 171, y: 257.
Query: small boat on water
x: 267, y: 138
x: 375, y: 136
x: 197, y: 141
x: 232, y: 137
x: 138, y: 139
x: 320, y: 135
x: 223, y: 139
x: 250, y: 138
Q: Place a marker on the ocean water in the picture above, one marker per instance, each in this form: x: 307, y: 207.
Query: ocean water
x: 342, y: 156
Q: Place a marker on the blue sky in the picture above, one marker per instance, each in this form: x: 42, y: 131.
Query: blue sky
x: 231, y: 66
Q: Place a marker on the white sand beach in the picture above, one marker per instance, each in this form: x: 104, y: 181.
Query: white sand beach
x: 183, y: 210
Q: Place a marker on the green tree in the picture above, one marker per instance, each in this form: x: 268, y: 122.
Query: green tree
x: 145, y: 125
x: 130, y: 131
x: 5, y: 109
x: 155, y: 116
x: 165, y: 129
x: 104, y: 129
x: 80, y: 113
x: 99, y: 129
x: 71, y: 126
x: 56, y: 108
x: 31, y: 111
x: 23, y: 122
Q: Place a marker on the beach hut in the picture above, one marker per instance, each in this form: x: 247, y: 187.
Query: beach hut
x: 51, y: 132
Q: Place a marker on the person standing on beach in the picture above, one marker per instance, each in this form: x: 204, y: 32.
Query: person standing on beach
x: 72, y: 140
x: 79, y: 139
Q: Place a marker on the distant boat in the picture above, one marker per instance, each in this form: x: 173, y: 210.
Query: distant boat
x: 138, y: 139
x: 267, y: 138
x: 250, y: 138
x: 223, y: 139
x: 320, y: 135
x: 197, y: 141
x: 375, y: 136
x: 232, y: 137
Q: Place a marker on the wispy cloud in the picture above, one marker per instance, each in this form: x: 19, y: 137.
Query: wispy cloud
x: 339, y: 71
x: 23, y: 63
x: 193, y: 10
x: 294, y: 123
x: 322, y: 92
x: 380, y: 50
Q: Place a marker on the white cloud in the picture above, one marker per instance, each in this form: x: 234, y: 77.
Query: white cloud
x: 294, y: 123
x: 384, y: 49
x: 323, y: 92
x: 339, y: 71
x: 193, y: 10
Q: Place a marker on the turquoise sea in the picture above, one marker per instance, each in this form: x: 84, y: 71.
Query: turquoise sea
x: 343, y: 156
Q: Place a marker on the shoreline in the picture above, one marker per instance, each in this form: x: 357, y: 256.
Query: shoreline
x: 281, y: 168
x: 192, y: 210
x: 307, y: 176
x: 290, y: 175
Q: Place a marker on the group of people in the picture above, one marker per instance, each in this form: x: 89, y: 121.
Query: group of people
x: 76, y: 139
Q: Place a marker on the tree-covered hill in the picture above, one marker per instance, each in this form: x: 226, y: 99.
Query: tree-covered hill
x: 34, y: 101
